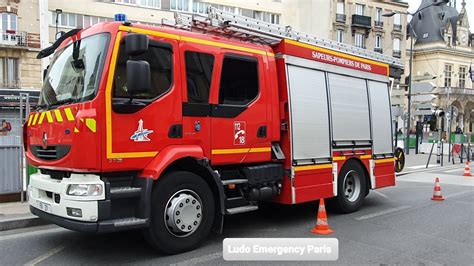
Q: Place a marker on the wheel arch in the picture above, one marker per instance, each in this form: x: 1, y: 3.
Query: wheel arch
x: 364, y: 167
x: 202, y: 168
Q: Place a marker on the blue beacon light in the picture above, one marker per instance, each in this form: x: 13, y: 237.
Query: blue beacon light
x: 120, y: 17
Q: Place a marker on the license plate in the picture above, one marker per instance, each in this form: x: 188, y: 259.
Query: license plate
x: 44, y: 206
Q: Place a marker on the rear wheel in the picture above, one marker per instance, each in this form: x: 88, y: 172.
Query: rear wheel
x: 182, y: 212
x: 352, y: 188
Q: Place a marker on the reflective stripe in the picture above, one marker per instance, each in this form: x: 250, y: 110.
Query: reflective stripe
x: 41, y: 118
x: 91, y: 124
x: 69, y: 115
x: 338, y: 158
x: 30, y: 119
x: 312, y: 167
x: 389, y: 160
x: 58, y: 115
x: 49, y: 117
x: 35, y: 118
x: 366, y: 156
x: 236, y: 151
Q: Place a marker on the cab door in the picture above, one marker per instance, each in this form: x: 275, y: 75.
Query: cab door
x: 198, y: 79
x: 239, y: 114
x: 138, y: 130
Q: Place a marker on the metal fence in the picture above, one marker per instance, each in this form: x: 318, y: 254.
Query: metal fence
x: 12, y: 170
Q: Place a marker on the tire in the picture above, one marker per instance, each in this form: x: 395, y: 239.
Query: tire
x: 178, y: 195
x: 351, y: 188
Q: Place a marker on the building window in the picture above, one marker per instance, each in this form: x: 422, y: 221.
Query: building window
x: 378, y: 41
x: 180, y: 5
x: 199, y: 68
x: 239, y: 81
x: 9, y: 77
x: 200, y: 7
x: 340, y: 7
x: 448, y: 71
x: 359, y: 40
x: 151, y: 3
x: 9, y: 22
x: 396, y: 45
x: 267, y: 17
x: 229, y: 9
x: 339, y: 35
x: 360, y: 9
x: 126, y: 1
x: 462, y: 76
x: 397, y: 19
x: 378, y: 14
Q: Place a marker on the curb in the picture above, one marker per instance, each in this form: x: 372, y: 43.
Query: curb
x: 23, y: 221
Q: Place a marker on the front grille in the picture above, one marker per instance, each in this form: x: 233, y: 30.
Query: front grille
x: 50, y: 153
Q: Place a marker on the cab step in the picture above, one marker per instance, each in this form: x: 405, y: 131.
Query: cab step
x: 125, y: 192
x: 122, y: 224
x: 234, y: 181
x: 241, y: 209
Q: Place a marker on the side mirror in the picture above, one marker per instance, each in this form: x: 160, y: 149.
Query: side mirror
x: 136, y: 43
x: 138, y: 77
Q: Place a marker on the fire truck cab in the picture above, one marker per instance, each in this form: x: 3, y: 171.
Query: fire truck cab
x: 169, y: 130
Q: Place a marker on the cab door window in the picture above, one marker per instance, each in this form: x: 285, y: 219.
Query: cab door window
x: 239, y: 81
x: 159, y: 56
x: 199, y: 67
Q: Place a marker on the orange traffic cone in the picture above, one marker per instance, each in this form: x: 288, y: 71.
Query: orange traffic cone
x: 322, y: 226
x: 437, y: 191
x: 467, y: 169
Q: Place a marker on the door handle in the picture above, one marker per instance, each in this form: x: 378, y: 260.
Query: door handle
x: 262, y: 132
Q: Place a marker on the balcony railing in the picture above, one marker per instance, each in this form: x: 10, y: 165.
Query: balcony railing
x: 378, y: 50
x: 10, y: 84
x: 378, y: 23
x: 341, y: 18
x: 457, y: 91
x: 397, y: 27
x: 397, y: 54
x: 361, y: 21
x: 13, y: 38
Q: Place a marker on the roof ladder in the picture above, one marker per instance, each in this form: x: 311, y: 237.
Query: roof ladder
x: 224, y: 23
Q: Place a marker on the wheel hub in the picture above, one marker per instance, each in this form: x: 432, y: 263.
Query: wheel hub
x: 352, y: 186
x: 183, y: 213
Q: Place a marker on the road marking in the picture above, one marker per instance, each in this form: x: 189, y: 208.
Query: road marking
x: 375, y: 214
x: 450, y: 171
x: 458, y: 194
x: 46, y: 255
x: 381, y: 194
x: 198, y: 260
x: 422, y: 166
x: 33, y: 233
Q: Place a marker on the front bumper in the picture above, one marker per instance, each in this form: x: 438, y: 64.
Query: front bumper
x: 123, y: 205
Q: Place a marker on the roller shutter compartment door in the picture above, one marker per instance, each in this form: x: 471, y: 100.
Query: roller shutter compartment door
x: 380, y: 117
x: 350, y: 108
x: 309, y: 113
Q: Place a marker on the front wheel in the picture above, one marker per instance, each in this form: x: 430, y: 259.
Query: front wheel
x: 182, y: 213
x: 352, y: 188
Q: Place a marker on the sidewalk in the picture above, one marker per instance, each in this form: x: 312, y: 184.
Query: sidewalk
x: 16, y: 215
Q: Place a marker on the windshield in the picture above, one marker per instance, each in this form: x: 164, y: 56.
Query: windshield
x: 75, y: 71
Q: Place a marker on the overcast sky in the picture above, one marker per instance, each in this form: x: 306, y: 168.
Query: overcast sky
x: 414, y: 4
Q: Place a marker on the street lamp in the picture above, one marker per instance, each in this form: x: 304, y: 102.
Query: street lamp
x: 413, y: 35
x: 58, y: 12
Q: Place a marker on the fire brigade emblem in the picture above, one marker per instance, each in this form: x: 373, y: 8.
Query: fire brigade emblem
x: 141, y: 134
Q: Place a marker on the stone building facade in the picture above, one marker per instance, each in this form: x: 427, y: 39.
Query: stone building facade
x: 444, y: 49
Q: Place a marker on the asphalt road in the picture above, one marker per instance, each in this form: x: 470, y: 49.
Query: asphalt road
x: 397, y: 225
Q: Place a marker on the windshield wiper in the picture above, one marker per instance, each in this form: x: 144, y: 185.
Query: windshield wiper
x: 40, y: 106
x: 61, y: 102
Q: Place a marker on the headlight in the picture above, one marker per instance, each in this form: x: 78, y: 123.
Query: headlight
x: 84, y: 190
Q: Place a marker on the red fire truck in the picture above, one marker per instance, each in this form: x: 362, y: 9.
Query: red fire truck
x: 170, y: 128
